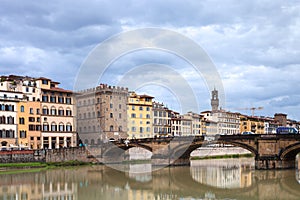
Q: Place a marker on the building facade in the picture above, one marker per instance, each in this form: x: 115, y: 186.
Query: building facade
x: 140, y: 116
x: 102, y: 114
x: 161, y: 120
x: 8, y: 117
x: 46, y: 114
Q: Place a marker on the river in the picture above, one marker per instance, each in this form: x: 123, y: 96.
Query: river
x: 204, y: 179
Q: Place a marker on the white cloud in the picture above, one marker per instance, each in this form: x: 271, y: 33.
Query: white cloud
x: 254, y: 44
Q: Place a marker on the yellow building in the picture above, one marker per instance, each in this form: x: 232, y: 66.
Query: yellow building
x: 252, y: 124
x: 139, y: 112
x: 29, y: 124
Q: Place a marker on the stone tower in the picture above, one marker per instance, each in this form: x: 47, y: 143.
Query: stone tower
x: 214, y: 100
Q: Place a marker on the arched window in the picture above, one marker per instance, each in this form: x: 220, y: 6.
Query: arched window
x: 53, y: 110
x: 120, y: 128
x: 61, y: 111
x: 2, y: 120
x: 22, y: 108
x: 45, y: 110
x: 10, y: 120
x: 53, y: 126
x: 45, y: 126
x: 69, y: 127
x: 69, y: 112
x: 61, y: 127
x: 111, y: 128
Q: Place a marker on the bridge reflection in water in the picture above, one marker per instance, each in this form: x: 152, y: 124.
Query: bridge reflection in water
x: 204, y: 179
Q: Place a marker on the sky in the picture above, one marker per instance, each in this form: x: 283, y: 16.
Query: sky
x: 254, y: 46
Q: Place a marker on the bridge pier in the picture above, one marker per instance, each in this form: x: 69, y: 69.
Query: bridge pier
x: 272, y: 162
x: 163, y: 160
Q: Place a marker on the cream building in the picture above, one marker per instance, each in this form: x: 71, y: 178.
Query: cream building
x: 8, y: 117
x: 161, y: 120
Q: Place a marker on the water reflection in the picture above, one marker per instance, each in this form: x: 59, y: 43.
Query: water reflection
x: 210, y: 179
x: 223, y: 173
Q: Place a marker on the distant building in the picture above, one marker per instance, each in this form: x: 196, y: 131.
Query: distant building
x: 45, y: 114
x: 228, y: 123
x: 281, y: 119
x: 8, y: 117
x: 252, y: 124
x: 161, y: 120
x: 176, y: 123
x: 195, y: 119
x: 102, y: 114
x: 140, y: 116
x: 214, y: 100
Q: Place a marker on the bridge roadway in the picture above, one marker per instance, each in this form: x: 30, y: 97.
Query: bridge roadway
x: 270, y: 151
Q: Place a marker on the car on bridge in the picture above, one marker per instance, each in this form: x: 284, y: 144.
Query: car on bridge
x: 286, y: 130
x: 247, y: 133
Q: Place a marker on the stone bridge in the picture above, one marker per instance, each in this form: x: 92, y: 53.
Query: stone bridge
x: 270, y: 151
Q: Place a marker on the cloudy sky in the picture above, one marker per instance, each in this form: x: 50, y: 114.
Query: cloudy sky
x: 254, y: 45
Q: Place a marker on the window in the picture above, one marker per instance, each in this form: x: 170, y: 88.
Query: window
x: 45, y: 127
x: 133, y: 115
x: 31, y: 127
x: 53, y: 99
x: 45, y: 111
x: 141, y: 108
x: 37, y: 111
x: 98, y: 114
x: 133, y: 129
x: 111, y: 128
x: 60, y: 112
x: 68, y: 101
x: 31, y: 119
x: 141, y: 115
x: 141, y: 129
x: 45, y: 82
x: 120, y: 106
x: 69, y: 127
x: 53, y: 127
x: 148, y: 129
x: 69, y: 112
x: 22, y: 108
x: 148, y: 116
x: 61, y: 100
x: 31, y: 110
x: 148, y: 108
x: 120, y: 128
x: 61, y: 127
x: 27, y: 89
x: 38, y: 127
x: 133, y: 108
x: 111, y: 105
x: 38, y: 119
x: 21, y: 120
x: 53, y: 111
x: 111, y: 115
x: 120, y: 115
x: 44, y: 98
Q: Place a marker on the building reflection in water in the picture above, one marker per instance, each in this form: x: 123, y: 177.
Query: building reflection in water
x: 205, y: 179
x: 223, y: 173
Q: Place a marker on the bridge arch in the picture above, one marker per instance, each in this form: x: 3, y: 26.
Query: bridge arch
x: 117, y: 149
x: 184, y: 151
x: 290, y: 152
